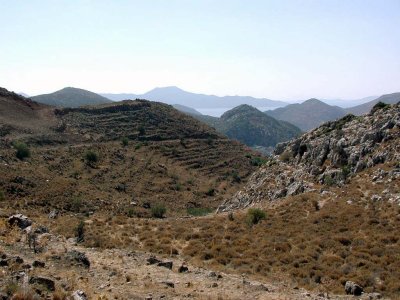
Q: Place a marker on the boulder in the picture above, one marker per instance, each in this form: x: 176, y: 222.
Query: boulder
x: 352, y: 288
x: 79, y: 257
x: 21, y: 221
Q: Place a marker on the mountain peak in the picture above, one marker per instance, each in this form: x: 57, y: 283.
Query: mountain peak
x: 313, y: 101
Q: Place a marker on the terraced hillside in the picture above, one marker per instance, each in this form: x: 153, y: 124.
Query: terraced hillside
x: 143, y: 153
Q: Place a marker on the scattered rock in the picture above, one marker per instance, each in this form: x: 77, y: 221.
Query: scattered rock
x: 183, y: 269
x: 21, y: 221
x: 79, y: 257
x: 4, y: 263
x: 79, y: 295
x: 38, y: 264
x: 152, y: 260
x: 352, y: 288
x: 169, y: 284
x: 43, y: 281
x: 165, y: 264
x: 53, y: 214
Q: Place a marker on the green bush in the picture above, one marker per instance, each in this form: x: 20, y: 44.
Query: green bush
x: 91, y: 157
x: 328, y: 180
x: 138, y: 146
x: 158, y: 211
x: 22, y: 150
x: 210, y: 192
x: 258, y: 161
x: 125, y: 141
x: 255, y: 215
x: 199, y: 211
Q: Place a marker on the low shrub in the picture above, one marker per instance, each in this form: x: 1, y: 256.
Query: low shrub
x: 22, y: 150
x: 158, y: 211
x: 91, y: 157
x: 210, y: 192
x: 2, y: 195
x: 258, y: 161
x: 199, y: 211
x: 125, y: 141
x: 255, y: 215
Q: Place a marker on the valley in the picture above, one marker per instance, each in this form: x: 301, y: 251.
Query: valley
x: 136, y: 200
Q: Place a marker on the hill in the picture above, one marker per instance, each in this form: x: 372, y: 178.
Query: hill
x: 331, y: 199
x: 328, y: 206
x: 307, y: 115
x: 186, y: 109
x: 71, y: 97
x: 366, y: 107
x: 174, y: 95
x: 251, y: 127
x: 167, y: 155
x: 20, y: 115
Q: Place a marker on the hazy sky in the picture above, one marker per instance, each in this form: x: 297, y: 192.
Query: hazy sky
x: 275, y: 49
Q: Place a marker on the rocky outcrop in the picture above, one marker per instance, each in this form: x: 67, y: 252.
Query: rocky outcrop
x: 328, y: 155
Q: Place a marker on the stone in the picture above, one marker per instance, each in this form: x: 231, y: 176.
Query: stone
x: 152, y: 260
x: 43, y: 281
x: 79, y: 295
x: 79, y: 257
x: 20, y: 220
x: 352, y: 288
x: 169, y: 284
x: 165, y: 264
x: 183, y: 269
x: 38, y: 264
x: 53, y: 214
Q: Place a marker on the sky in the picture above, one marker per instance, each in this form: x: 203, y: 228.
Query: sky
x: 279, y: 49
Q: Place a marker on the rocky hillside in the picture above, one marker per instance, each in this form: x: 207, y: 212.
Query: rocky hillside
x: 251, y: 127
x: 366, y: 107
x: 329, y: 155
x: 307, y: 115
x: 71, y: 97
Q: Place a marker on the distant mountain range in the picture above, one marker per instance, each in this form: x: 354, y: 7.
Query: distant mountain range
x: 348, y: 103
x: 175, y: 95
x: 366, y: 107
x: 71, y: 97
x: 307, y: 115
x: 251, y: 126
